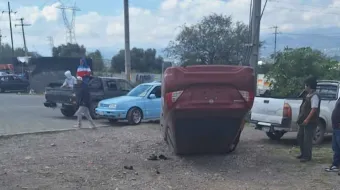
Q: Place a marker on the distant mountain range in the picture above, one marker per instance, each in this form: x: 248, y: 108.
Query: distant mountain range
x: 326, y: 40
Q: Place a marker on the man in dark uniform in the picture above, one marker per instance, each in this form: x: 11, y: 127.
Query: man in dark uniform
x: 335, y: 139
x: 308, y: 119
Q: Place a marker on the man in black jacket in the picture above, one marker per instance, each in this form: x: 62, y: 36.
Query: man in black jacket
x: 335, y: 139
x: 308, y: 119
x: 84, y: 103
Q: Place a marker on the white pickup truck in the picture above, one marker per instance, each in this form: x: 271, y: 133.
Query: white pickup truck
x: 278, y: 116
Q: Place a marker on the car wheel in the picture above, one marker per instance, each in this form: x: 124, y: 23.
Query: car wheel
x: 2, y: 90
x: 27, y: 90
x: 135, y: 116
x: 93, y: 113
x: 68, y: 112
x: 233, y: 146
x: 319, y: 133
x: 276, y: 135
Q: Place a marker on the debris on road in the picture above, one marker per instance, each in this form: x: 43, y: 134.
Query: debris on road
x: 154, y: 157
x: 128, y: 167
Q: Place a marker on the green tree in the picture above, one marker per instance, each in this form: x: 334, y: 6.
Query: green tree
x: 141, y: 60
x: 97, y: 60
x: 293, y: 66
x: 214, y: 40
x: 6, y: 51
x: 69, y: 50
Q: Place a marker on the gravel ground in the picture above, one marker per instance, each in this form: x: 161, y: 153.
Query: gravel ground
x: 95, y: 159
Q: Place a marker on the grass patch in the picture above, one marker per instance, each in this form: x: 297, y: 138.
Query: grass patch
x: 321, y: 154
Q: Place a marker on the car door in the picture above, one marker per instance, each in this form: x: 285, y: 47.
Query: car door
x: 123, y: 86
x: 328, y: 94
x: 18, y: 83
x: 112, y: 89
x: 11, y: 84
x: 153, y: 105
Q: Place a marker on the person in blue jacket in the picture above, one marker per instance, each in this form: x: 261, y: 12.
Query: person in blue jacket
x: 84, y: 103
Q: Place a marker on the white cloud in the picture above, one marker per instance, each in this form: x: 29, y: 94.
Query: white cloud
x: 154, y: 28
x: 169, y: 4
x: 51, y: 13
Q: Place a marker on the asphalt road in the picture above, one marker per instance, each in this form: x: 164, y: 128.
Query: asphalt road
x: 27, y: 114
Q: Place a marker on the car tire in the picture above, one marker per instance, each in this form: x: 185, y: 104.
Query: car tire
x: 319, y: 133
x: 233, y: 146
x: 93, y: 113
x: 68, y: 112
x: 171, y: 144
x: 27, y: 90
x: 134, y: 116
x: 276, y: 135
x: 2, y: 90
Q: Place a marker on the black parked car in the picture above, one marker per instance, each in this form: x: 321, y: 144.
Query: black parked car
x: 13, y: 83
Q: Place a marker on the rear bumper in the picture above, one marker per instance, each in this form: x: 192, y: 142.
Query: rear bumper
x: 111, y: 114
x: 50, y: 104
x: 284, y: 126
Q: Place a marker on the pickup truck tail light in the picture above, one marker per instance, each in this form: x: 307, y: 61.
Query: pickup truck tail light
x: 172, y: 97
x: 287, y: 110
x: 248, y: 97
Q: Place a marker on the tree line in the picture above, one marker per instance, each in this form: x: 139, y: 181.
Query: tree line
x: 216, y: 39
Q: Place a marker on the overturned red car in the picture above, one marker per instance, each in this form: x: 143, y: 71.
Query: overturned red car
x: 204, y: 106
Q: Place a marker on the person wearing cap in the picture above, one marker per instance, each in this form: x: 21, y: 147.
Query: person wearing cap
x: 84, y: 103
x: 308, y: 119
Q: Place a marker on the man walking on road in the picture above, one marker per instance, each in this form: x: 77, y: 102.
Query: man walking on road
x: 308, y: 119
x: 335, y: 139
x: 84, y: 102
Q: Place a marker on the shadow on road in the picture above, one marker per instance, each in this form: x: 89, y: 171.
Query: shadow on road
x: 292, y: 141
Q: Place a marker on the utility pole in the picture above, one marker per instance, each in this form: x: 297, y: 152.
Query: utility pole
x: 24, y: 38
x: 10, y: 24
x: 127, y: 41
x: 255, y: 37
x: 51, y: 42
x: 275, y: 40
x: 23, y: 32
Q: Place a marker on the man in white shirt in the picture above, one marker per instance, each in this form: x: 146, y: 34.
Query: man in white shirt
x: 70, y: 80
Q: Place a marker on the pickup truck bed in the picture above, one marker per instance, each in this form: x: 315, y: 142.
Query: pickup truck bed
x: 100, y: 88
x: 277, y: 116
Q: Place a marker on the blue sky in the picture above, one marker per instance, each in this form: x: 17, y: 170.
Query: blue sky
x: 153, y: 23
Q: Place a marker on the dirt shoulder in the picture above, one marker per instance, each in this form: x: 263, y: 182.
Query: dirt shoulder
x: 95, y: 159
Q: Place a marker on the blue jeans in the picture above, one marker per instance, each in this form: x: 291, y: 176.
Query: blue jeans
x: 336, y: 147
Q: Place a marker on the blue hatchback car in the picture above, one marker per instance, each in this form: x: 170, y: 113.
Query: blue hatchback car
x: 141, y: 103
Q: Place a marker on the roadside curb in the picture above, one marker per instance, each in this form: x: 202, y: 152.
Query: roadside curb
x: 7, y: 136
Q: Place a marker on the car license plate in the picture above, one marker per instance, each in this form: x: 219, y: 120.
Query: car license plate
x: 100, y: 113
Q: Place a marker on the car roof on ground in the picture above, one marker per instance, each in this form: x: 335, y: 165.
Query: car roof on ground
x: 111, y: 78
